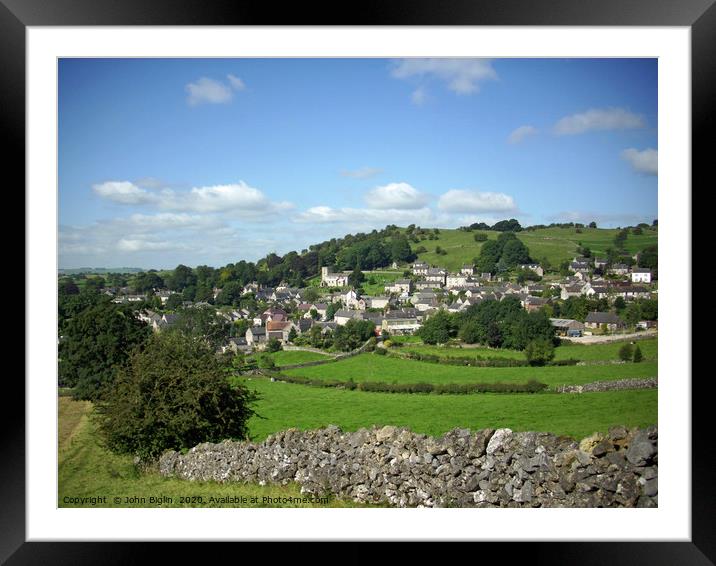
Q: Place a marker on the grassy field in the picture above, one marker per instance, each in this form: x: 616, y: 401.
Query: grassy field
x: 556, y: 244
x: 568, y: 350
x: 288, y: 357
x: 86, y: 469
x: 371, y: 367
x: 608, y: 351
x: 286, y: 405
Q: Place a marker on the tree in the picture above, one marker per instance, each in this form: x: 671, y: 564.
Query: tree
x: 626, y: 352
x: 353, y: 334
x: 539, y: 352
x: 292, y: 334
x: 437, y: 329
x: 592, y: 224
x: 356, y: 277
x: 638, y: 356
x: 273, y: 345
x: 67, y: 286
x: 181, y: 278
x: 311, y: 295
x: 174, y: 301
x: 94, y: 344
x: 202, y: 322
x: 174, y: 394
x: 480, y: 237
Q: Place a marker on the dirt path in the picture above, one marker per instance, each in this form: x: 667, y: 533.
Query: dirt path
x: 612, y: 337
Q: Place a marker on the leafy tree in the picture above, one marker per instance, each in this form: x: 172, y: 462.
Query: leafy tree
x: 638, y: 356
x: 592, y: 224
x: 620, y: 239
x: 437, y: 329
x: 540, y: 351
x: 273, y: 345
x: 266, y: 362
x: 181, y: 278
x: 649, y: 258
x: 311, y: 295
x: 626, y: 352
x: 174, y: 301
x: 510, y: 225
x: 148, y: 281
x: 240, y: 327
x: 174, y: 394
x: 202, y: 322
x: 332, y: 308
x: 292, y: 335
x: 479, y: 237
x: 230, y: 294
x: 67, y: 286
x: 471, y: 332
x: 356, y: 277
x: 619, y: 304
x: 353, y: 334
x: 94, y: 343
x: 400, y: 250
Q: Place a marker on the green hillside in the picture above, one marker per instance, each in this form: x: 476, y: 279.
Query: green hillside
x: 556, y: 244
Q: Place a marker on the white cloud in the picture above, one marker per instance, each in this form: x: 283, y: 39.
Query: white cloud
x: 235, y: 82
x: 645, y: 161
x: 521, y: 133
x: 599, y: 119
x: 465, y: 201
x: 123, y: 192
x: 362, y: 173
x: 142, y: 245
x: 363, y: 218
x: 208, y: 91
x: 238, y: 198
x: 419, y: 96
x: 462, y: 76
x: 396, y: 196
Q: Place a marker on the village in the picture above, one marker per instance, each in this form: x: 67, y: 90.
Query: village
x: 410, y: 300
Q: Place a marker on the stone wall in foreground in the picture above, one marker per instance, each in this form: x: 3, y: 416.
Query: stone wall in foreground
x: 487, y: 468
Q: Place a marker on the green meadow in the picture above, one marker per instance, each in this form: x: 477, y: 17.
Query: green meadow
x: 289, y: 357
x: 567, y: 350
x: 371, y: 367
x: 285, y: 405
x: 556, y: 244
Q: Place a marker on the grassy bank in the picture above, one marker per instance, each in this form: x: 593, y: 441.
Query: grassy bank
x: 86, y: 469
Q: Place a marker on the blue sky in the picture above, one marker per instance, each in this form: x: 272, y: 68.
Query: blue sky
x: 209, y: 161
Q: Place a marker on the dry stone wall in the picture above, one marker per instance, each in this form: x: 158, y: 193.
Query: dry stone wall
x: 487, y: 468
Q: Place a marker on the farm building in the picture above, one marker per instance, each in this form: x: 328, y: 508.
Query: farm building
x: 567, y: 326
x: 600, y: 319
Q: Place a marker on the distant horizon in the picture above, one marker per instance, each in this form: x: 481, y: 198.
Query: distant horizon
x: 202, y: 161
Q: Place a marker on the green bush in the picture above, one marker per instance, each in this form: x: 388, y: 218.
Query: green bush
x: 626, y: 352
x: 173, y: 395
x: 539, y: 352
x: 381, y: 351
x: 638, y: 356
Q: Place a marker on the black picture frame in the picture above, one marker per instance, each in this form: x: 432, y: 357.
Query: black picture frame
x: 698, y: 15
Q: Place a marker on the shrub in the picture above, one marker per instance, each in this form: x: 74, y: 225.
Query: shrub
x: 174, y: 395
x: 381, y: 351
x: 539, y: 352
x: 273, y: 345
x: 626, y: 352
x: 638, y: 356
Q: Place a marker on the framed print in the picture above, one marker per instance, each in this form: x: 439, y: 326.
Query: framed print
x: 399, y: 272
